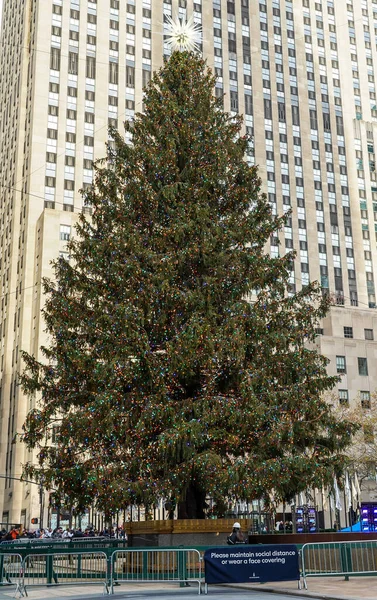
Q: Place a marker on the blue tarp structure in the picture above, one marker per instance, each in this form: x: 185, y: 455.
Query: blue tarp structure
x: 356, y: 527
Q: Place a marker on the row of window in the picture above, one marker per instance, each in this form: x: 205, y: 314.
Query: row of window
x: 341, y: 366
x: 90, y: 65
x: 361, y: 165
x: 348, y: 333
x: 364, y: 398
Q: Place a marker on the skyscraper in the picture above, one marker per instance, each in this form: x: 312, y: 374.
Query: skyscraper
x: 303, y: 74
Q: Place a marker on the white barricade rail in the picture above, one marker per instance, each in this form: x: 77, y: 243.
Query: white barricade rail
x: 176, y: 565
x: 64, y: 569
x: 339, y: 558
x: 12, y: 570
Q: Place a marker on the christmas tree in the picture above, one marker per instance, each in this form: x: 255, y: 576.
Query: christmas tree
x: 179, y: 365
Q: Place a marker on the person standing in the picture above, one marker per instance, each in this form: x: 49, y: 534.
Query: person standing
x: 236, y: 537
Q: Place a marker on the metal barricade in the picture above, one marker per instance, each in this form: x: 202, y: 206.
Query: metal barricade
x: 81, y: 567
x: 339, y: 558
x: 11, y: 570
x: 176, y: 565
x: 65, y: 569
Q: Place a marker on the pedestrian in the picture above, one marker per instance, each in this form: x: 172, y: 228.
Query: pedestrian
x: 236, y: 537
x: 67, y: 534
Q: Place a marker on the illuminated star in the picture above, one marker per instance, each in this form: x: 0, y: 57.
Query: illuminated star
x: 183, y: 36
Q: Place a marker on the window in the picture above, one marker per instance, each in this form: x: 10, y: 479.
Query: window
x: 90, y: 67
x: 70, y: 161
x: 248, y: 104
x: 365, y: 399
x: 343, y: 396
x: 55, y: 59
x: 113, y: 73
x: 234, y: 101
x: 267, y: 109
x: 53, y: 110
x: 281, y: 111
x: 50, y: 182
x: 55, y: 428
x: 368, y: 334
x: 69, y: 185
x: 313, y: 119
x: 348, y: 332
x: 65, y: 232
x: 295, y: 115
x: 341, y: 364
x: 146, y: 77
x: 51, y: 158
x: 363, y: 365
x: 339, y: 125
x: 130, y: 76
x: 73, y: 63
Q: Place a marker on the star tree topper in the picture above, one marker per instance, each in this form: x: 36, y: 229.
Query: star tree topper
x: 183, y: 36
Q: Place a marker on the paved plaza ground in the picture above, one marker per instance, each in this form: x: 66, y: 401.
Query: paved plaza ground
x: 326, y: 588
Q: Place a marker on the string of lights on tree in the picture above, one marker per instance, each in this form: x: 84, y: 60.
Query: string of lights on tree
x: 161, y: 379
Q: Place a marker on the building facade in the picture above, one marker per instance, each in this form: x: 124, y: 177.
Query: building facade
x: 302, y: 73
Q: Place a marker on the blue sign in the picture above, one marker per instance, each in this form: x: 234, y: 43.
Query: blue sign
x: 253, y: 564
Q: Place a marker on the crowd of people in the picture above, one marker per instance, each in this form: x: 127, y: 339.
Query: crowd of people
x: 15, y: 533
x: 286, y: 527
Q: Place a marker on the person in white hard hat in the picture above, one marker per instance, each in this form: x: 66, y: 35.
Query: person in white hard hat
x: 236, y: 537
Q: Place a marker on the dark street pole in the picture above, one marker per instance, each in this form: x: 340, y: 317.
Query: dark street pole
x: 41, y: 499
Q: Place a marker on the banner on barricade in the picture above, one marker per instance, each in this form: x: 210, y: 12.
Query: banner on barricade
x: 253, y: 564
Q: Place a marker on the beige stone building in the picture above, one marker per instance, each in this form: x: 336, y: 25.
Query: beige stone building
x: 303, y: 74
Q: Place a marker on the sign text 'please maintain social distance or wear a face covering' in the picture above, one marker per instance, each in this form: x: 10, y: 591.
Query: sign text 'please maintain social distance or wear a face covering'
x: 252, y: 563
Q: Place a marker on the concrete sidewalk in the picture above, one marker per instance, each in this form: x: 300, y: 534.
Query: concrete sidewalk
x: 91, y: 592
x: 326, y: 588
x: 329, y: 588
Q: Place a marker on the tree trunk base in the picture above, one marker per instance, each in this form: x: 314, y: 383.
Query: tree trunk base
x: 194, y: 504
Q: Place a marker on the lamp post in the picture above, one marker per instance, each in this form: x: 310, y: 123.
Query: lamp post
x: 41, y: 504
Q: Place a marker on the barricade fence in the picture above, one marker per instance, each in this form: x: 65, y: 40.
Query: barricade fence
x: 339, y: 558
x: 11, y: 570
x: 76, y: 567
x: 54, y: 566
x: 176, y: 565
